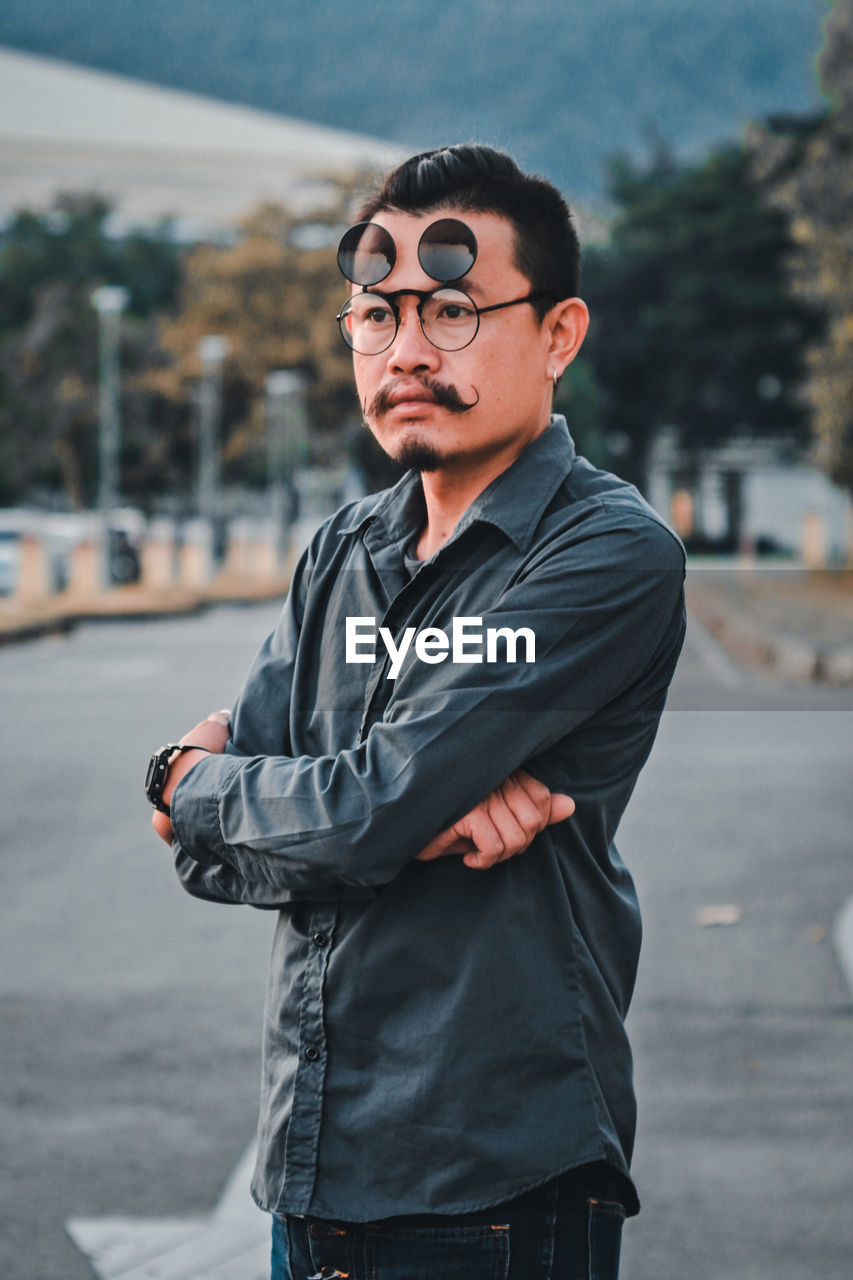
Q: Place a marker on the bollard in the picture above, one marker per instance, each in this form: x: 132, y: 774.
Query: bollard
x: 158, y: 556
x: 34, y: 583
x: 86, y: 578
x: 267, y: 555
x: 813, y: 543
x: 253, y: 554
x: 196, y: 555
x: 238, y: 555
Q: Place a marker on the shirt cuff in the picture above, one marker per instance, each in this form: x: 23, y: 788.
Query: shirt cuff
x: 195, y: 808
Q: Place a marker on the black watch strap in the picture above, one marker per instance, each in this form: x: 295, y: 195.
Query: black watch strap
x: 158, y: 771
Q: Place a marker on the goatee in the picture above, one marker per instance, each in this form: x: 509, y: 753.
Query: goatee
x: 417, y: 455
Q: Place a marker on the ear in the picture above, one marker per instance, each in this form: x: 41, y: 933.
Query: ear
x: 567, y: 322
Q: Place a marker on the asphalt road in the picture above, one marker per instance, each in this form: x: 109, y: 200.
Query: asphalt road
x: 131, y: 1014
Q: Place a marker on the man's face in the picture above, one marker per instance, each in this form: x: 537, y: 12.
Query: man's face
x: 505, y: 373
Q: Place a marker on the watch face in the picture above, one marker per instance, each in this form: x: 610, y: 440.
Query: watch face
x: 152, y: 769
x: 155, y: 778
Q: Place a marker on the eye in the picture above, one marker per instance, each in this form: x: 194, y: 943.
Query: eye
x: 454, y: 311
x: 371, y: 312
x: 378, y: 315
x: 451, y: 307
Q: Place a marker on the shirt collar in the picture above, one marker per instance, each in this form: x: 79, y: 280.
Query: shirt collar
x: 513, y: 502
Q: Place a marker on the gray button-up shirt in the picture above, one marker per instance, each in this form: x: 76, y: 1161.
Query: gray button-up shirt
x: 438, y: 1039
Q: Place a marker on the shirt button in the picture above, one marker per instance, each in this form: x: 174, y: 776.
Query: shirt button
x: 312, y: 1053
x: 320, y: 939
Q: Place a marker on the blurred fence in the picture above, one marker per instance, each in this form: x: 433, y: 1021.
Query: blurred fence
x: 83, y: 559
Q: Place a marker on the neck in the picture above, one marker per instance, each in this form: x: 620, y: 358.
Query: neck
x: 449, y: 491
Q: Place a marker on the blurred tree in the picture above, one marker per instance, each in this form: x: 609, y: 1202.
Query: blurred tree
x: 692, y: 326
x: 580, y: 398
x: 49, y: 266
x: 72, y: 243
x: 275, y: 302
x: 806, y: 166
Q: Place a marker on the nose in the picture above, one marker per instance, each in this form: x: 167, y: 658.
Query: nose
x: 411, y: 350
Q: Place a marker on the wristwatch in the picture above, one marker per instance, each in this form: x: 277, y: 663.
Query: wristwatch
x: 158, y: 771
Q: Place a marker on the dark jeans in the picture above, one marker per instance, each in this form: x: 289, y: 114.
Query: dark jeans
x: 557, y: 1233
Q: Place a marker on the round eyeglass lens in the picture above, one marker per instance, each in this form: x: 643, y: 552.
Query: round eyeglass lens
x: 368, y: 323
x: 447, y: 250
x: 366, y: 253
x: 449, y: 319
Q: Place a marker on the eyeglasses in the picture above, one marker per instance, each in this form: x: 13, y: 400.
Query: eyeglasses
x: 449, y: 318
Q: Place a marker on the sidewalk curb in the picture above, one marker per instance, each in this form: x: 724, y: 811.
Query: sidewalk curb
x: 754, y: 645
x: 838, y: 666
x: 35, y: 630
x: 135, y: 607
x: 842, y: 937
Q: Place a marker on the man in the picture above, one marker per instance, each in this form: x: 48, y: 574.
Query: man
x: 447, y: 1081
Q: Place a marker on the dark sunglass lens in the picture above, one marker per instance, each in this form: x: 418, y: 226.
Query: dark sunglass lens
x: 366, y: 253
x: 447, y: 250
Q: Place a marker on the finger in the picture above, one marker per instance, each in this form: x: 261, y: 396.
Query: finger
x: 537, y: 792
x: 562, y: 807
x: 557, y: 805
x: 221, y: 717
x: 487, y: 839
x: 162, y: 824
x: 448, y: 841
x: 531, y: 816
x: 515, y: 819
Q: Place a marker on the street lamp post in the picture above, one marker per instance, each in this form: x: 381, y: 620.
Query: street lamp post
x: 285, y: 416
x: 212, y: 350
x: 109, y: 301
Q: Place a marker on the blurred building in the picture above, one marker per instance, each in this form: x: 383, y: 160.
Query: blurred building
x: 158, y: 152
x: 155, y: 151
x: 749, y: 495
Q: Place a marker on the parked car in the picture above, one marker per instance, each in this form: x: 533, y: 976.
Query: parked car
x: 9, y: 559
x: 61, y: 533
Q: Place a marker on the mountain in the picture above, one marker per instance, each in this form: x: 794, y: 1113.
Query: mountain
x: 563, y: 84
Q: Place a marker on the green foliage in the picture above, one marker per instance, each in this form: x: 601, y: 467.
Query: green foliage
x: 579, y: 397
x: 49, y: 266
x: 692, y: 324
x: 806, y: 168
x: 275, y: 304
x: 72, y: 244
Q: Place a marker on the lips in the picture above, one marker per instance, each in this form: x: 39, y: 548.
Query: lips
x: 419, y: 393
x: 412, y: 395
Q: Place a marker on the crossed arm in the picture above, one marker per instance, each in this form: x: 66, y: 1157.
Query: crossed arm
x: 605, y: 605
x: 500, y: 826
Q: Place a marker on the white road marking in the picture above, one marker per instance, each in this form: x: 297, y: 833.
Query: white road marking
x: 843, y: 939
x: 232, y: 1243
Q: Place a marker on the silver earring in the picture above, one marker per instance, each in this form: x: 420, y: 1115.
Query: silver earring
x: 554, y: 375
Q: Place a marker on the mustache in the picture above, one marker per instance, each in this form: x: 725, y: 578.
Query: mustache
x: 442, y: 393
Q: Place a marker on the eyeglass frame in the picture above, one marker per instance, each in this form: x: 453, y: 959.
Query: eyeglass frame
x: 423, y: 295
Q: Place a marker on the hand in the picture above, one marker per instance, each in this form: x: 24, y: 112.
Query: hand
x: 503, y: 824
x: 211, y: 734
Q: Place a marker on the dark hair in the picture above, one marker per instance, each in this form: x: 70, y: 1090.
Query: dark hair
x: 480, y: 179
